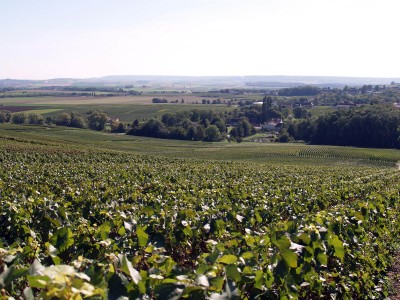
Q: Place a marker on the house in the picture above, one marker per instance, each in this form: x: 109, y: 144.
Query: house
x: 274, y: 124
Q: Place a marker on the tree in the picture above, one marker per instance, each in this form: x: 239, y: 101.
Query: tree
x: 63, y: 119
x: 242, y: 129
x: 199, y: 133
x: 169, y: 119
x: 19, y: 118
x: 117, y: 127
x: 79, y: 122
x: 205, y: 122
x: 301, y: 113
x: 178, y: 133
x: 153, y: 128
x: 212, y: 134
x: 284, y: 136
x: 49, y: 120
x: 121, y: 128
x: 266, y: 109
x: 195, y: 115
x: 35, y: 119
x: 158, y: 100
x: 97, y: 120
x: 191, y: 133
x: 5, y: 116
x: 220, y: 124
x: 246, y: 126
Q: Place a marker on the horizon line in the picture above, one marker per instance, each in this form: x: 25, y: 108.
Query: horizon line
x: 200, y: 76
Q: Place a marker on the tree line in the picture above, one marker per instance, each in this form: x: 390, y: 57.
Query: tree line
x: 307, y: 90
x: 94, y: 119
x: 376, y: 126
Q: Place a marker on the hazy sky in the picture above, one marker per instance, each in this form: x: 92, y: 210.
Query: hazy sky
x: 90, y: 38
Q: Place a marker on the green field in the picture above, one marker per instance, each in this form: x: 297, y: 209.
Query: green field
x: 317, y: 111
x: 101, y: 216
x: 257, y: 152
x: 126, y: 109
x: 129, y: 108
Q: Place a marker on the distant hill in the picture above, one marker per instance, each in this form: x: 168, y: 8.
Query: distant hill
x: 202, y: 82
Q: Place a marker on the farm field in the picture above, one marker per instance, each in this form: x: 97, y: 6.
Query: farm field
x: 101, y: 100
x: 126, y: 109
x: 89, y: 214
x: 294, y: 153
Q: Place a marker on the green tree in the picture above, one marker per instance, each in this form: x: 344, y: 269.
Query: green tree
x: 301, y: 113
x: 63, y: 119
x: 19, y: 118
x: 284, y: 136
x: 5, y: 116
x: 35, y: 119
x: 212, y: 134
x: 220, y: 124
x: 199, y: 133
x: 79, y: 122
x: 191, y: 133
x: 97, y: 120
x: 117, y: 127
x: 242, y: 129
x: 266, y: 109
x: 121, y: 128
x: 153, y: 128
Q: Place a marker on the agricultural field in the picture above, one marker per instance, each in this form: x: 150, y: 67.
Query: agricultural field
x: 290, y: 153
x: 99, y: 216
x: 317, y: 111
x: 126, y: 109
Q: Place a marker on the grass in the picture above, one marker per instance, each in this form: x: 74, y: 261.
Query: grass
x: 272, y: 153
x: 130, y: 112
x: 317, y: 111
x: 43, y: 111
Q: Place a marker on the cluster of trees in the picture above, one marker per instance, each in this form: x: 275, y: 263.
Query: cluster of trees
x: 307, y: 90
x: 196, y: 125
x: 98, y: 89
x: 263, y: 113
x: 203, y: 101
x: 20, y: 118
x: 159, y: 100
x: 5, y: 116
x: 367, y: 94
x: 95, y: 120
x: 242, y: 129
x: 374, y: 126
x: 300, y: 112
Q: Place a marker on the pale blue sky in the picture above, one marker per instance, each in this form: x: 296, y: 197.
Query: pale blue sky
x: 91, y: 38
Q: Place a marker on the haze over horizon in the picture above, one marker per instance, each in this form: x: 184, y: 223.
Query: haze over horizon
x: 74, y: 39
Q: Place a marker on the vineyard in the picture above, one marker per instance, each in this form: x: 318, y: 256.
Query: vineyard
x: 79, y: 222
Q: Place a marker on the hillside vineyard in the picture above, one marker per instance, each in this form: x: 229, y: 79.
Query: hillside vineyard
x: 81, y: 222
